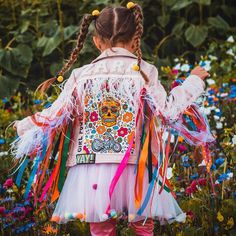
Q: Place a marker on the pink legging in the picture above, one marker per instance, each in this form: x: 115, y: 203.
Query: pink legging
x: 108, y: 228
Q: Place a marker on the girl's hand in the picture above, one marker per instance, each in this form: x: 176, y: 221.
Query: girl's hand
x: 200, y: 72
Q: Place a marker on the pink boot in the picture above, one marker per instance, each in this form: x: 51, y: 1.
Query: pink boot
x: 143, y: 230
x: 106, y: 228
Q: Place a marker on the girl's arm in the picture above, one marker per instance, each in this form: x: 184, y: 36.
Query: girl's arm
x: 180, y: 97
x: 55, y: 114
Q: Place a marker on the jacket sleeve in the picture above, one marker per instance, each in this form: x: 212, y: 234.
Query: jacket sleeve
x: 54, y: 115
x: 180, y: 97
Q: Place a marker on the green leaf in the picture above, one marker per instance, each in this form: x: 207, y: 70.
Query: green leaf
x: 69, y: 31
x: 52, y: 43
x: 178, y: 27
x: 25, y: 54
x: 7, y: 86
x: 196, y: 35
x: 204, y: 2
x: 163, y: 20
x: 16, y: 60
x: 42, y: 42
x: 218, y: 22
x: 25, y: 25
x: 180, y: 4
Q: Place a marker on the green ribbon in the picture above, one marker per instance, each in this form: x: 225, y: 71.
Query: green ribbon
x: 64, y: 158
x: 165, y: 187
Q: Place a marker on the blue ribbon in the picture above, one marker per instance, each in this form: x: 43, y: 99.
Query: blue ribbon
x: 148, y: 194
x: 38, y: 159
x: 21, y: 171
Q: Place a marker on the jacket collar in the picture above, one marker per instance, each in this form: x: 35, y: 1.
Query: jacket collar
x: 115, y: 52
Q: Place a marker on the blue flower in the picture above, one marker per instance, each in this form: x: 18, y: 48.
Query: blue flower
x: 4, y: 100
x: 218, y: 113
x: 194, y: 176
x: 37, y: 101
x: 202, y: 63
x: 213, y: 167
x: 47, y: 105
x: 2, y: 141
x: 219, y: 161
x: 222, y: 177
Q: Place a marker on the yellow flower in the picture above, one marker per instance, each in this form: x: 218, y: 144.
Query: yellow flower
x: 219, y: 216
x: 180, y: 139
x: 230, y: 223
x: 179, y: 234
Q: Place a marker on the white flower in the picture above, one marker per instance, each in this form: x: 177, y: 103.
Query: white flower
x: 169, y: 173
x: 230, y: 175
x: 234, y: 140
x: 182, y: 190
x: 177, y: 67
x: 206, y: 110
x: 230, y: 39
x: 219, y: 125
x: 213, y: 108
x: 3, y: 154
x: 210, y: 81
x: 176, y: 59
x: 224, y: 95
x: 216, y: 117
x: 207, y: 65
x: 230, y: 52
x: 185, y: 67
x: 213, y: 58
x: 222, y: 118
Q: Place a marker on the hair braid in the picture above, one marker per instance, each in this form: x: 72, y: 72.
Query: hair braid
x: 86, y: 21
x: 139, y: 31
x: 138, y: 14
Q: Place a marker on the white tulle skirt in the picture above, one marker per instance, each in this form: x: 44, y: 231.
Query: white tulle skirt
x: 85, y: 196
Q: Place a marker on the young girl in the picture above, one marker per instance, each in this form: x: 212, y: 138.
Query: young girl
x: 113, y: 114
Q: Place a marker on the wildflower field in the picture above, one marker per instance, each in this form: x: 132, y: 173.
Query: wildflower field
x: 36, y: 36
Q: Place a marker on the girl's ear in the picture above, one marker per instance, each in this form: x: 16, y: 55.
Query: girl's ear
x: 97, y: 42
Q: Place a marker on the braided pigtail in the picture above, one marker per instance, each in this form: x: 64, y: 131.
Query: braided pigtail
x: 138, y: 15
x: 86, y: 21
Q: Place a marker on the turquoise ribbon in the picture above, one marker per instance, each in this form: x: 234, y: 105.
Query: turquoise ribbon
x: 38, y: 159
x: 148, y: 194
x: 21, y: 171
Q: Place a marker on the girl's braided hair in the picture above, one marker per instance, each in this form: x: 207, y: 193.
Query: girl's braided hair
x: 112, y: 25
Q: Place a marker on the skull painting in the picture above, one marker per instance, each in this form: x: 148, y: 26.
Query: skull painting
x: 109, y: 110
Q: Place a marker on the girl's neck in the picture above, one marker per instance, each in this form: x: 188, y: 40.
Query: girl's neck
x: 120, y: 45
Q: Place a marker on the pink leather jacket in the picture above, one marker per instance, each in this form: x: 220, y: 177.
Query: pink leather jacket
x: 103, y: 98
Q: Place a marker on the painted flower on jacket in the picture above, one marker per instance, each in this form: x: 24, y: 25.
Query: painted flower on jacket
x: 101, y: 129
x: 122, y: 131
x: 127, y: 117
x: 94, y: 116
x: 86, y: 149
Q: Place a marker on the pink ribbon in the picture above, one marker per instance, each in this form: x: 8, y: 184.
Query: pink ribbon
x: 119, y: 171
